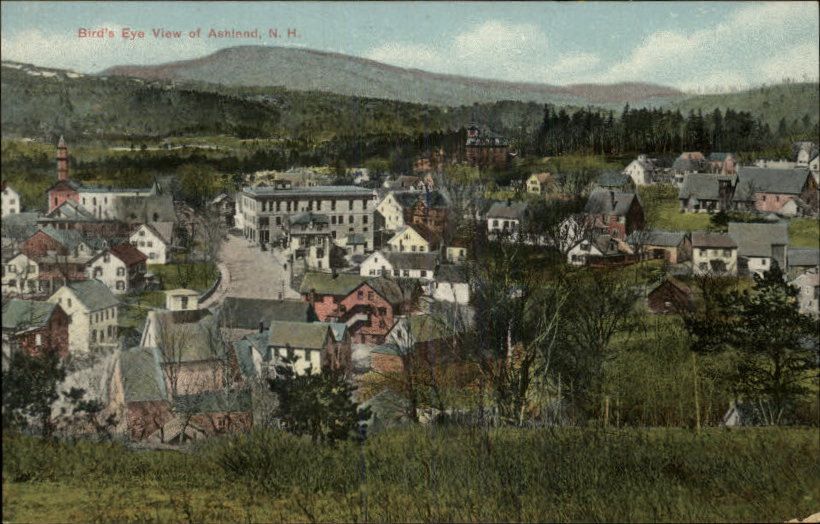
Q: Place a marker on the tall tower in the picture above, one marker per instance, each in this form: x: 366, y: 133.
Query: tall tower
x: 62, y: 160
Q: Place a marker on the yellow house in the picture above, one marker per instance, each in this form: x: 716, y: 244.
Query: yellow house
x: 413, y: 239
x: 540, y: 183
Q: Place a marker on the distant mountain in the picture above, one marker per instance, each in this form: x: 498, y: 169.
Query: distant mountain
x: 310, y: 70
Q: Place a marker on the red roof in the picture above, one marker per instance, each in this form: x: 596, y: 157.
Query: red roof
x: 128, y: 254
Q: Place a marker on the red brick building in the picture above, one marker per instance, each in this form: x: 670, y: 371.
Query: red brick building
x: 368, y: 306
x: 35, y: 327
x: 429, y: 210
x: 486, y: 149
x: 64, y: 189
x: 614, y: 213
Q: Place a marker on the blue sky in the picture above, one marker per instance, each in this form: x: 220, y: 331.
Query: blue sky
x: 690, y: 45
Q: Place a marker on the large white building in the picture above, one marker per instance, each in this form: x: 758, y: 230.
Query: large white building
x: 104, y: 202
x: 10, y: 201
x: 263, y: 212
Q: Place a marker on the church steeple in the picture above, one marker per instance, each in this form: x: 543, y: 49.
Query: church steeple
x: 62, y: 160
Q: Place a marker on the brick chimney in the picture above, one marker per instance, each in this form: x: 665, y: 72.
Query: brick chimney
x: 62, y: 160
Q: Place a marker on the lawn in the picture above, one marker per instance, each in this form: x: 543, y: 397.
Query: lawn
x: 418, y: 474
x: 669, y: 217
x: 804, y: 232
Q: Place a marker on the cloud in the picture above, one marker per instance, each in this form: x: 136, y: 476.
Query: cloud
x: 574, y: 63
x: 69, y: 51
x: 732, y: 52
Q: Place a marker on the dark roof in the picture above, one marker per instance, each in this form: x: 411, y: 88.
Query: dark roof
x: 21, y: 315
x: 389, y: 289
x: 657, y: 238
x: 20, y: 226
x: 451, y: 273
x: 71, y: 210
x: 247, y: 313
x: 68, y: 238
x: 299, y: 334
x: 689, y: 161
x: 613, y: 179
x: 346, y: 191
x: 764, y: 180
x: 702, y: 186
x: 142, y: 376
x: 214, y: 402
x: 433, y: 199
x: 719, y: 240
x: 514, y: 210
x: 327, y: 284
x: 672, y: 281
x: 128, y: 254
x: 601, y: 203
x: 145, y: 209
x: 757, y: 239
x: 93, y: 294
x: 802, y: 257
x: 412, y: 260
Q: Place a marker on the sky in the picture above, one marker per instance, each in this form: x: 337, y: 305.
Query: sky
x: 708, y: 46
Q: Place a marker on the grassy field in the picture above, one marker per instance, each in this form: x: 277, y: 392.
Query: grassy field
x: 804, y: 232
x: 424, y: 475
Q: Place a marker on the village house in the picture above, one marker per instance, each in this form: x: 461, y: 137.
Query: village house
x: 313, y: 345
x: 414, y: 238
x: 614, y: 213
x: 181, y: 299
x: 673, y: 246
x: 50, y: 241
x: 122, y: 268
x: 787, y: 192
x: 808, y: 285
x: 670, y: 296
x: 239, y: 317
x: 506, y: 217
x: 541, y: 184
x: 407, y: 265
x: 224, y: 206
x: 800, y: 260
x: 366, y: 305
x: 600, y: 247
x: 310, y: 240
x: 21, y: 276
x: 400, y: 208
x: 409, y: 182
x: 139, y: 391
x: 192, y: 352
x: 262, y: 212
x: 71, y: 215
x: 713, y: 253
x: 154, y: 241
x: 485, y: 148
x: 34, y: 327
x: 687, y: 163
x: 760, y: 246
x: 413, y: 337
x: 456, y: 251
x: 93, y: 313
x: 722, y: 163
x: 641, y: 171
x: 451, y: 285
x: 9, y: 200
x: 706, y: 192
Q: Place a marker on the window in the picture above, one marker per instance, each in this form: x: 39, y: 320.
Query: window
x: 703, y: 252
x: 12, y: 269
x: 120, y: 271
x: 333, y: 205
x: 364, y: 219
x: 93, y: 336
x: 333, y: 219
x: 360, y: 294
x: 110, y: 331
x: 184, y: 302
x: 38, y: 339
x: 423, y: 273
x: 727, y: 252
x: 350, y: 219
x: 764, y: 262
x: 120, y: 285
x: 149, y: 244
x: 413, y: 248
x: 395, y: 272
x: 141, y: 233
x: 369, y: 295
x: 69, y: 302
x: 406, y: 273
x: 106, y: 257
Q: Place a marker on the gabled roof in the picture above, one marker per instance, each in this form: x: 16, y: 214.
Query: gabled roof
x: 717, y: 240
x: 757, y: 239
x: 427, y: 234
x: 163, y: 230
x: 389, y: 289
x: 93, y: 294
x: 600, y: 202
x: 657, y: 237
x: 188, y: 336
x: 803, y: 257
x: 412, y: 260
x: 703, y: 186
x: 21, y: 315
x: 71, y: 210
x: 129, y: 254
x: 764, y: 180
x: 509, y: 210
x: 20, y: 226
x: 613, y: 179
x: 298, y: 335
x: 689, y: 161
x: 247, y: 313
x: 68, y: 238
x: 672, y: 281
x: 142, y: 376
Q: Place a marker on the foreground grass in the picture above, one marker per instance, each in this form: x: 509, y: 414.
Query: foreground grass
x: 425, y: 474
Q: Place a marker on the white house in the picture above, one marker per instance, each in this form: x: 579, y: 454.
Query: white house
x: 406, y: 265
x: 760, y: 245
x: 20, y: 276
x: 505, y: 217
x: 456, y: 252
x: 451, y: 285
x: 808, y: 285
x: 578, y: 255
x: 392, y: 209
x: 92, y: 311
x: 102, y: 202
x: 10, y: 202
x: 641, y: 171
x: 409, y: 239
x: 121, y: 268
x: 713, y: 253
x: 181, y: 299
x: 154, y: 241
